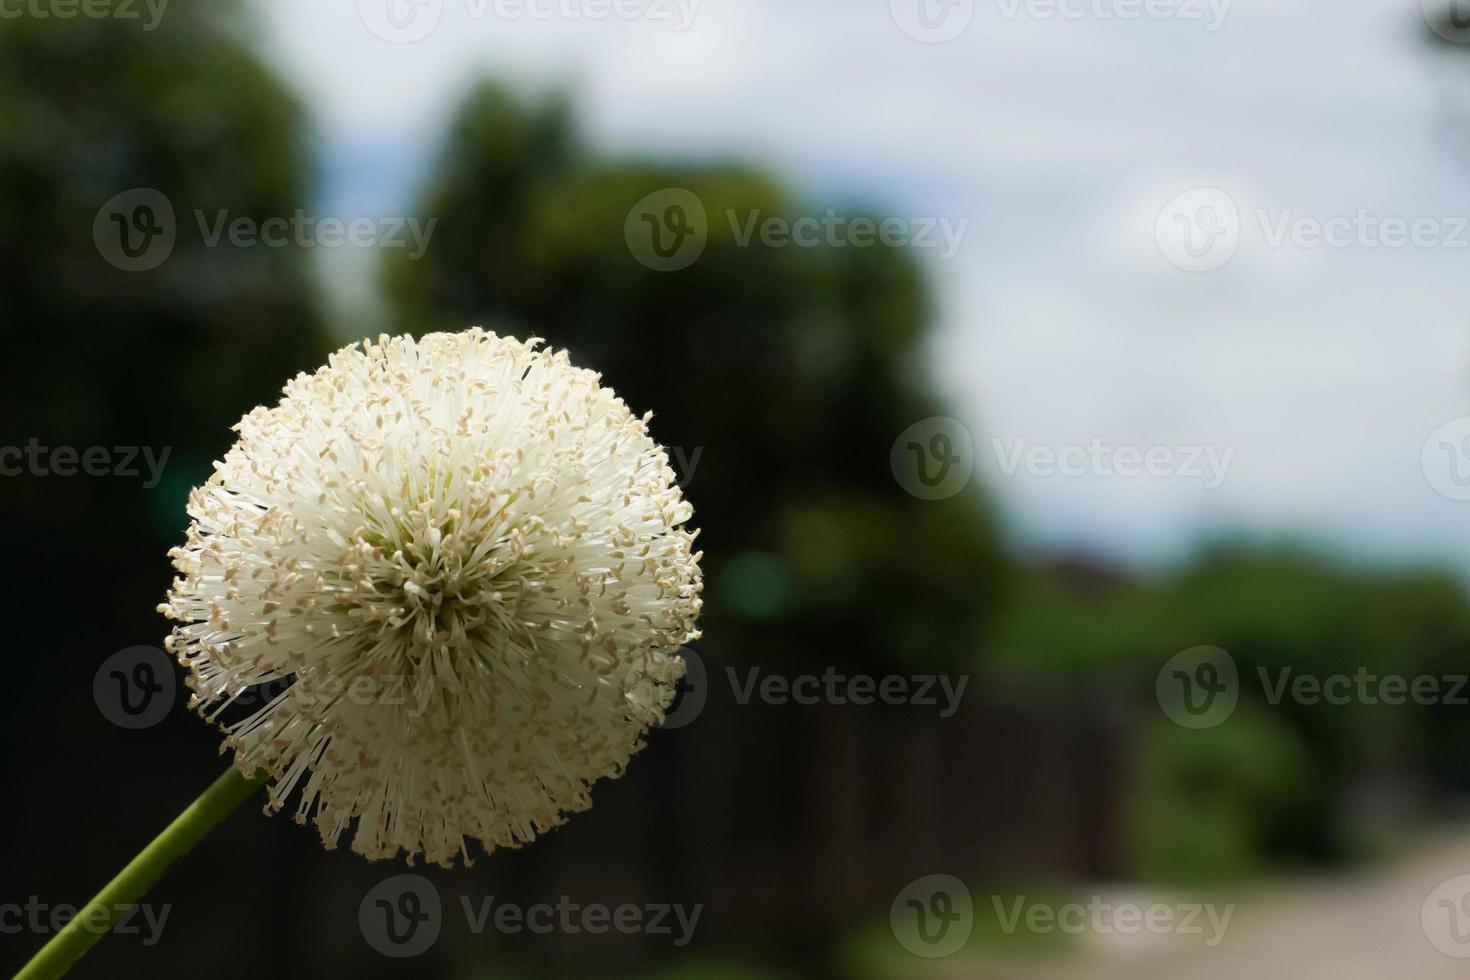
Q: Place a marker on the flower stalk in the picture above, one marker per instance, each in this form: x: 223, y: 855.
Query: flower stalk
x: 99, y: 915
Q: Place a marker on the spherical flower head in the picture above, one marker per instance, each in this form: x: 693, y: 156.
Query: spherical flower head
x: 461, y: 562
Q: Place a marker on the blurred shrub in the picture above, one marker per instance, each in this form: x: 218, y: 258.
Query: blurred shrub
x: 1276, y: 782
x: 1211, y: 806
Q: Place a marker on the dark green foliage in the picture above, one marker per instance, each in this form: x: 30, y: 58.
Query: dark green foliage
x: 175, y: 354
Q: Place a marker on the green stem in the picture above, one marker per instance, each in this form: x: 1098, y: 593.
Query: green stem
x: 99, y: 915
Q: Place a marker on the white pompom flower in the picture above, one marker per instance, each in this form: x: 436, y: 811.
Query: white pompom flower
x: 467, y: 560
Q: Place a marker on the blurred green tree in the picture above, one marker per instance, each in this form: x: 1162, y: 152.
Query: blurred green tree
x: 107, y: 121
x: 782, y: 376
x: 135, y: 132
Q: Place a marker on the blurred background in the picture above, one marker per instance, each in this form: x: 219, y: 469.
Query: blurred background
x: 1083, y: 380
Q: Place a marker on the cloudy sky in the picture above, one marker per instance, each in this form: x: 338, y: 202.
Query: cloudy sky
x: 1237, y: 231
